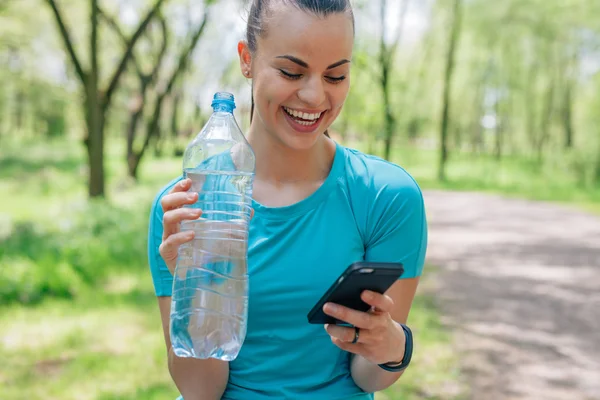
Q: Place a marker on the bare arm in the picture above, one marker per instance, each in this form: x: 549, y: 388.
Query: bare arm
x: 369, y: 376
x: 196, y: 379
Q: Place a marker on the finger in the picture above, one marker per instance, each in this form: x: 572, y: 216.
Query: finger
x: 353, y: 317
x: 355, y: 348
x: 181, y: 186
x: 380, y: 301
x: 178, y: 196
x: 168, y: 248
x: 251, y: 213
x: 340, y: 332
x: 173, y: 218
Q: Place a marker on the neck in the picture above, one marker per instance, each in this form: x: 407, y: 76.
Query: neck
x: 279, y: 164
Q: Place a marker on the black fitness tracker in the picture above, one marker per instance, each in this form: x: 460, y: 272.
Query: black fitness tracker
x: 408, y: 349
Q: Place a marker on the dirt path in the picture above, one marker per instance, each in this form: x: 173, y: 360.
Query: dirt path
x: 520, y: 283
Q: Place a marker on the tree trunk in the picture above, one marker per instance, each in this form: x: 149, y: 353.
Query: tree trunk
x: 568, y: 115
x: 476, y: 130
x: 96, y: 114
x: 454, y: 35
x: 153, y: 126
x: 499, y: 131
x: 132, y: 159
x: 597, y: 172
x: 389, y: 120
x: 545, y: 122
x: 530, y: 105
x: 95, y: 148
x: 175, y: 115
x: 19, y: 108
x: 97, y: 102
x: 386, y: 57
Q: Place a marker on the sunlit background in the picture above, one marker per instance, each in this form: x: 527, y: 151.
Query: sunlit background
x: 493, y: 106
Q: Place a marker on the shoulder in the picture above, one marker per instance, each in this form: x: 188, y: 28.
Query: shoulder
x: 375, y: 179
x: 388, y: 206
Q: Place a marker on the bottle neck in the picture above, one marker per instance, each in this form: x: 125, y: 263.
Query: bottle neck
x: 222, y: 108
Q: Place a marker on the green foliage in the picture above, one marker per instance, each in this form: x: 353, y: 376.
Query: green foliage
x: 81, y: 250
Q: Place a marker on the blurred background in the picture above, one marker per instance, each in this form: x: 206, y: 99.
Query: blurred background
x: 99, y: 98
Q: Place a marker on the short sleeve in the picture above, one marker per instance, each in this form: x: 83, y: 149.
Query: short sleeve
x: 397, y: 224
x: 161, y: 276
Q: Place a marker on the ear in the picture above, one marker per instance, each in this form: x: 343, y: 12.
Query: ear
x: 245, y: 59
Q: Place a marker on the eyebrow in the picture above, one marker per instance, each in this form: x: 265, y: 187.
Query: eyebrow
x: 305, y: 65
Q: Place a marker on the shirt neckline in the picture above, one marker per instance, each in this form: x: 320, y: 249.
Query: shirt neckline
x: 312, y: 200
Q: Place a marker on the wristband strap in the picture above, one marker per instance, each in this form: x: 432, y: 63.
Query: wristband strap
x: 408, y: 349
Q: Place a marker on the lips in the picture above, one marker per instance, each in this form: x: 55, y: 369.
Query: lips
x: 302, y: 121
x: 302, y: 116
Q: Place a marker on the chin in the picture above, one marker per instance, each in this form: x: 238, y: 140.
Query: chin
x: 300, y: 142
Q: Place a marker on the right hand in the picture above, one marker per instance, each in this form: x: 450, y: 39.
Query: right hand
x: 174, y: 213
x: 172, y: 205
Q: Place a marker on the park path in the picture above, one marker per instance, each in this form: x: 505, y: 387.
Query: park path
x: 519, y: 283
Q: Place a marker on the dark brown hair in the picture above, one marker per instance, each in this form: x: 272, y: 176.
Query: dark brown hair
x: 259, y: 8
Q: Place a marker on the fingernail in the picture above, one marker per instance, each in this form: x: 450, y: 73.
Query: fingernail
x: 325, y: 326
x: 331, y: 308
x: 368, y: 294
x: 192, y: 196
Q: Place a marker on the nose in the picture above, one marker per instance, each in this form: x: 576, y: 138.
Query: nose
x: 312, y: 93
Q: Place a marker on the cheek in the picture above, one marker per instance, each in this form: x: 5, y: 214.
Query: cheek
x: 339, y: 96
x: 273, y: 91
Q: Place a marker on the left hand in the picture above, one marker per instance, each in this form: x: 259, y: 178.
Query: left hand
x: 381, y: 339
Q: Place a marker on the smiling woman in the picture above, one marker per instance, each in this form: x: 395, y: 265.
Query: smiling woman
x: 318, y: 207
x: 318, y: 81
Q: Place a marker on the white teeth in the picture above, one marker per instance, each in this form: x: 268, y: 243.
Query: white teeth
x: 305, y: 116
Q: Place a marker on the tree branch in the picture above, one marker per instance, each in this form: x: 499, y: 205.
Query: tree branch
x: 147, y: 78
x: 128, y: 52
x: 163, y: 49
x: 183, y: 59
x: 119, y: 32
x: 185, y: 55
x: 67, y: 40
x: 94, y: 68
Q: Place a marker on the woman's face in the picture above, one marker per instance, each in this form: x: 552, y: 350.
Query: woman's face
x: 300, y: 72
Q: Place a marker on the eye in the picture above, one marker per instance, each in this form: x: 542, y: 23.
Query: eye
x: 335, y: 79
x: 289, y: 76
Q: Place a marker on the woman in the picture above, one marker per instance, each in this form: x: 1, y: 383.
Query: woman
x: 318, y: 207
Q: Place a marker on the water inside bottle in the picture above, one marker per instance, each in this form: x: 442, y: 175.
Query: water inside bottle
x: 209, y: 301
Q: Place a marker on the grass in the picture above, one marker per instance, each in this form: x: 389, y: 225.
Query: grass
x: 78, y: 317
x: 518, y: 177
x: 108, y: 344
x: 105, y: 345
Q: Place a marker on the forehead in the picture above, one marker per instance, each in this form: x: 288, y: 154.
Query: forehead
x: 314, y: 38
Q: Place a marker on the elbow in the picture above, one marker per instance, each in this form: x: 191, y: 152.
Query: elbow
x: 198, y: 379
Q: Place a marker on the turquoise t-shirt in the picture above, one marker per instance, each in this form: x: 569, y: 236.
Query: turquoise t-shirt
x: 367, y: 209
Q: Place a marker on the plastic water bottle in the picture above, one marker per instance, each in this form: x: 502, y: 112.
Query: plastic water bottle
x: 209, y: 304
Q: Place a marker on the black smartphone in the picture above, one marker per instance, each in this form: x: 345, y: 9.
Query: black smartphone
x: 346, y: 290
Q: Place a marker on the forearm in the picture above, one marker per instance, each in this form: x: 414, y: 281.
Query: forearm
x: 370, y: 377
x: 199, y: 379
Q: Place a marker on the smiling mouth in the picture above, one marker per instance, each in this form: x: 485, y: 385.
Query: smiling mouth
x: 306, y: 119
